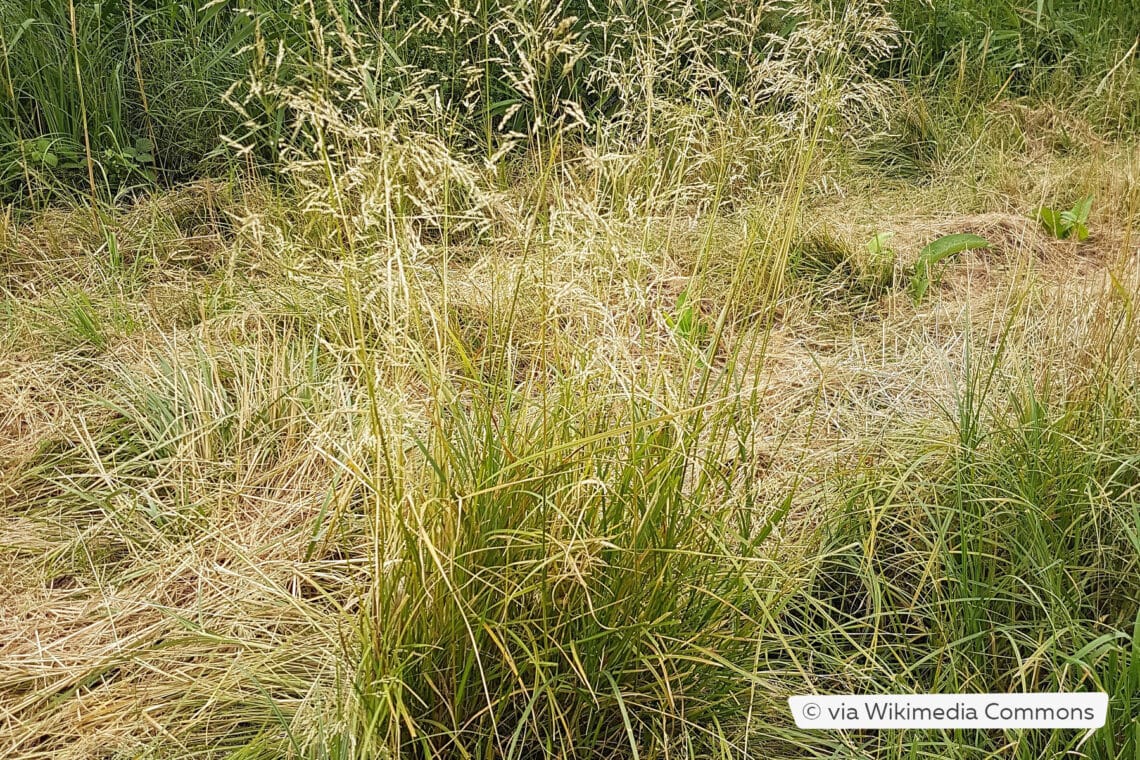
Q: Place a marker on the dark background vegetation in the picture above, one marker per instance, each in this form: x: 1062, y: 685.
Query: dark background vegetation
x: 136, y: 90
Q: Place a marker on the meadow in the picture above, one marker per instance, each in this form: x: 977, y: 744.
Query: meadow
x: 483, y: 379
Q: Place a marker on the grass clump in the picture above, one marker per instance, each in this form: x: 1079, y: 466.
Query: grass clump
x: 563, y: 585
x: 1000, y: 559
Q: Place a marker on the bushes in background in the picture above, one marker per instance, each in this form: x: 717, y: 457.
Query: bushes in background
x: 106, y: 96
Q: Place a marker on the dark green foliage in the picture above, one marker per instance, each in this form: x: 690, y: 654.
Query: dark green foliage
x: 136, y: 91
x: 159, y: 71
x: 1015, y: 44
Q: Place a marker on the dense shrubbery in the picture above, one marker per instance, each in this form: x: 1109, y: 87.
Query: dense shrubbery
x: 132, y: 76
x: 105, y: 96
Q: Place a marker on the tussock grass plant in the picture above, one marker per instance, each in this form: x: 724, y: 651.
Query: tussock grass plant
x: 1000, y: 558
x: 567, y: 585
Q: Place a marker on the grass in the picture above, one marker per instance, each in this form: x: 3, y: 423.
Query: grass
x: 562, y: 409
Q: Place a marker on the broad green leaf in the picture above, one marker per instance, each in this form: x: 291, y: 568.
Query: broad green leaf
x: 877, y: 245
x: 1052, y: 221
x: 1080, y: 212
x: 941, y: 248
x: 1080, y: 231
x: 949, y: 245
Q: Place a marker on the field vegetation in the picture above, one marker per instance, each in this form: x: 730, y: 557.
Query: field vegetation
x: 484, y: 379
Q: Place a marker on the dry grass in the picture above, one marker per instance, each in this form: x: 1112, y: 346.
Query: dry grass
x: 203, y: 580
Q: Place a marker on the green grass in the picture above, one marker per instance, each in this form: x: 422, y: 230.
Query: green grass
x: 134, y: 93
x: 1000, y: 560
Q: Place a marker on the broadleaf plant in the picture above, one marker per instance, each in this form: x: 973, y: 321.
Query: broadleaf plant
x: 937, y: 251
x: 1064, y: 225
x: 686, y: 322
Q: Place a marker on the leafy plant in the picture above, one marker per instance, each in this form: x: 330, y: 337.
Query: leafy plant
x: 53, y: 154
x: 1067, y: 224
x: 877, y: 245
x: 129, y: 161
x: 939, y: 250
x: 686, y: 321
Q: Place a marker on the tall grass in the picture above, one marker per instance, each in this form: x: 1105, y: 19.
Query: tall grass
x: 464, y: 436
x: 1001, y: 559
x: 1054, y: 51
x: 567, y: 582
x: 548, y: 577
x: 145, y: 79
x: 160, y: 79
